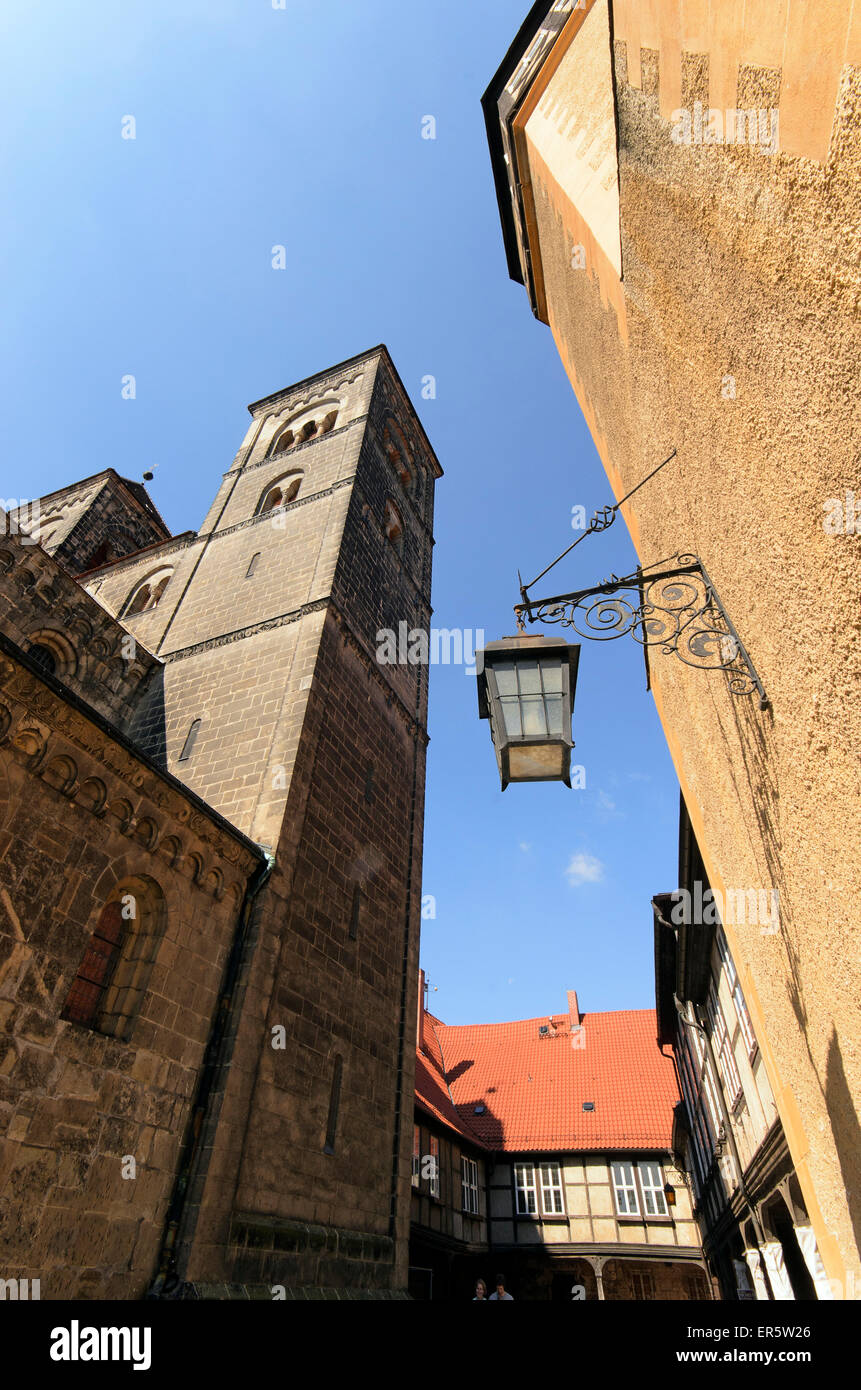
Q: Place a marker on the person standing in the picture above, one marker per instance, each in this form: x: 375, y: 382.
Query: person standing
x: 500, y: 1296
x: 480, y: 1292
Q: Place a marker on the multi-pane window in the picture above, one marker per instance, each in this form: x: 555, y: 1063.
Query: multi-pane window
x: 434, y: 1166
x: 643, y: 1286
x: 417, y: 1156
x: 469, y: 1185
x: 737, y: 996
x: 551, y: 1190
x: 639, y: 1187
x: 723, y: 1046
x: 709, y: 1088
x: 625, y: 1185
x: 704, y: 1133
x: 526, y: 1200
x: 652, y: 1186
x: 528, y: 1183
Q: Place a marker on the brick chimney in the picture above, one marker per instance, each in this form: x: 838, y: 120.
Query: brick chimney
x: 573, y: 1010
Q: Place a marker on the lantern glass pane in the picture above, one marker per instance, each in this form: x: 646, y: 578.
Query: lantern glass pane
x: 511, y: 716
x: 506, y: 677
x: 530, y: 677
x: 534, y: 722
x: 552, y: 674
x: 554, y: 715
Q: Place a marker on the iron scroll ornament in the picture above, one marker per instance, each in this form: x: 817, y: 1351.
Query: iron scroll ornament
x: 673, y: 606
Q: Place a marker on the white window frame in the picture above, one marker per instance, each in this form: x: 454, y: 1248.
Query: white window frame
x: 621, y: 1185
x: 550, y: 1181
x: 723, y: 1046
x: 652, y: 1190
x: 434, y: 1153
x: 708, y: 1087
x: 524, y: 1185
x: 469, y: 1185
x: 737, y: 996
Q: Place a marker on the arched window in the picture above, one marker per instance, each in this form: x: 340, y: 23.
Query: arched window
x: 280, y: 492
x: 190, y: 740
x: 44, y: 658
x: 159, y: 589
x: 109, y: 987
x: 394, y: 527
x: 252, y: 565
x: 328, y: 422
x: 140, y: 602
x: 282, y: 442
x: 398, y: 453
x: 308, y: 430
x: 53, y: 653
x: 146, y: 594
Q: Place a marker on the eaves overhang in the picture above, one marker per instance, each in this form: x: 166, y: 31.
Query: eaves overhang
x: 508, y: 90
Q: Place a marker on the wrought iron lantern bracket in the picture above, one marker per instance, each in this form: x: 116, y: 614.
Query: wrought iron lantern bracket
x: 672, y: 606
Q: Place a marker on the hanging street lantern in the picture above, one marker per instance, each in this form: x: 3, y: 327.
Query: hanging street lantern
x: 526, y: 689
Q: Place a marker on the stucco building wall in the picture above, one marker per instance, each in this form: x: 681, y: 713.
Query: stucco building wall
x: 733, y: 336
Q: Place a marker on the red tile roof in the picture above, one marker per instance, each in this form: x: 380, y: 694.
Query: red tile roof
x: 432, y: 1092
x: 533, y: 1086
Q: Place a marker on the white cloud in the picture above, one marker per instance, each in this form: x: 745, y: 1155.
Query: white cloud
x: 525, y: 847
x: 605, y: 802
x: 584, y: 868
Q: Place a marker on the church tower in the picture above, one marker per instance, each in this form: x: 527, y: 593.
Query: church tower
x: 269, y: 701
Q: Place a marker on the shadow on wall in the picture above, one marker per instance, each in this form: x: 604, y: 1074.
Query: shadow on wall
x: 755, y: 741
x: 148, y: 725
x: 846, y: 1131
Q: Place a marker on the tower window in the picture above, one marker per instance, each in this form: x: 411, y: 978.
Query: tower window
x: 190, y: 739
x: 328, y: 422
x: 279, y: 492
x: 398, y: 453
x: 354, y: 915
x: 307, y: 431
x: 394, y: 527
x: 334, y: 1104
x: 283, y: 441
x: 252, y: 565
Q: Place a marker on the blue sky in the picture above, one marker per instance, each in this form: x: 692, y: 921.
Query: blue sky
x: 302, y: 127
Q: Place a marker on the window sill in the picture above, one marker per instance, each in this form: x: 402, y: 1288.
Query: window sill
x: 558, y: 1217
